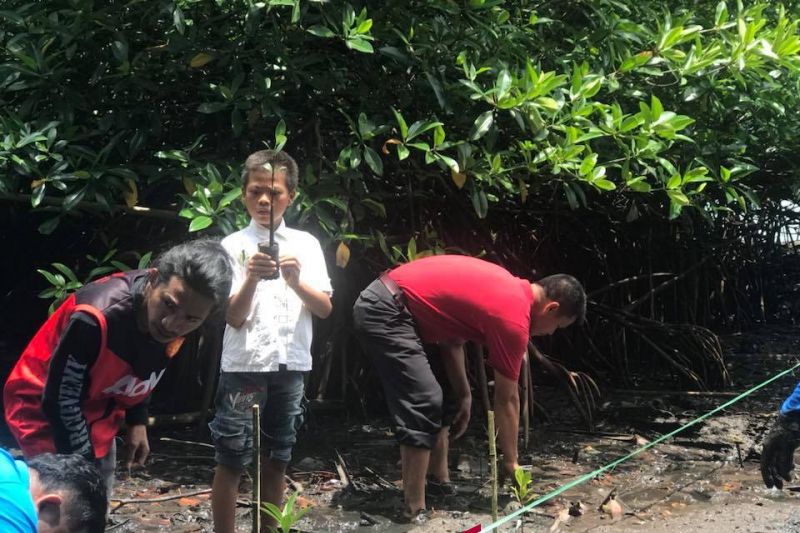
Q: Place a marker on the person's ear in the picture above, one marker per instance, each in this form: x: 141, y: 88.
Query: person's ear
x: 551, y: 307
x: 152, y: 282
x: 292, y: 195
x: 48, y: 509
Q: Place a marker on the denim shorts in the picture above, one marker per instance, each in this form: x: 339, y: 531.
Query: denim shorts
x: 280, y: 397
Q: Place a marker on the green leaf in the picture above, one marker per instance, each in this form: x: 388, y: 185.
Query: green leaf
x: 31, y: 138
x: 38, y: 195
x: 572, y: 199
x: 420, y: 127
x: 678, y: 197
x: 674, y: 182
x: 64, y: 269
x: 481, y: 125
x: 503, y: 84
x: 591, y: 86
x: 597, y: 173
x: 48, y: 226
x: 438, y: 136
x: 51, y: 279
x: 604, y: 184
x: 99, y: 271
x: 280, y: 135
x: 696, y: 175
x: 548, y: 103
x: 449, y: 161
x: 373, y: 160
x: 679, y: 122
x: 71, y: 200
x: 631, y: 122
x: 144, y: 261
x: 402, y: 152
x: 401, y: 122
x: 721, y: 14
x: 655, y: 108
x: 200, y: 223
x: 359, y: 44
x: 638, y: 184
x: 588, y: 164
x: 229, y: 197
x: 480, y: 203
x: 364, y: 27
x: 178, y: 20
x: 321, y: 31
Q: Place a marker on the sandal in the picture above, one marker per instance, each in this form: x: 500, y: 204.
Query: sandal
x: 420, y: 517
x: 439, y: 488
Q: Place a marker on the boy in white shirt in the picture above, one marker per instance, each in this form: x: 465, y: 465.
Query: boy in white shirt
x: 267, y: 342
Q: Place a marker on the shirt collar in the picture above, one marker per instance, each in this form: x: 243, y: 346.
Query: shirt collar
x: 262, y: 233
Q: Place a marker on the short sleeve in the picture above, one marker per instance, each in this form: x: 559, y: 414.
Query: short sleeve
x: 238, y: 256
x: 314, y: 271
x: 507, y: 343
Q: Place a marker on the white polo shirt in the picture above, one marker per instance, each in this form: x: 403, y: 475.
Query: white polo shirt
x: 278, y: 329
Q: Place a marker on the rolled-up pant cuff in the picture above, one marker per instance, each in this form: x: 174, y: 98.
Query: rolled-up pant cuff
x: 415, y: 439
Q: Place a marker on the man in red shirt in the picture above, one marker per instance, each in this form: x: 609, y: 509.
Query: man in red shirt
x: 449, y: 300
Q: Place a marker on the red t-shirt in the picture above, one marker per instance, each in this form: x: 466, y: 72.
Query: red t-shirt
x: 459, y: 297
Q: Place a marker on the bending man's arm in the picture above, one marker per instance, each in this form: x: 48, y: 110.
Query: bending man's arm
x: 67, y: 381
x: 454, y: 365
x: 506, y: 409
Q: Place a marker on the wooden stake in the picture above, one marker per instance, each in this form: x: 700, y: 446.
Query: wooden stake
x: 492, y: 462
x: 257, y: 463
x: 529, y: 399
x: 525, y: 411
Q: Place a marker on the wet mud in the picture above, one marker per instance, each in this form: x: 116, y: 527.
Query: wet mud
x: 347, y: 471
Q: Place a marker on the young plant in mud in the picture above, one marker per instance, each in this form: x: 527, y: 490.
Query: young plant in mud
x: 286, y: 517
x: 521, y: 488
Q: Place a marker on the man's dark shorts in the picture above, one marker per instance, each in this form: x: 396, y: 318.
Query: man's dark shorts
x: 416, y: 388
x: 280, y: 397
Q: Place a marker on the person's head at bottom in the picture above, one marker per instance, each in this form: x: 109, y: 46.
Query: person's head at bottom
x: 68, y: 493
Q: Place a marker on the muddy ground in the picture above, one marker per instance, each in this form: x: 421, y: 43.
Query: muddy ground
x: 706, y: 479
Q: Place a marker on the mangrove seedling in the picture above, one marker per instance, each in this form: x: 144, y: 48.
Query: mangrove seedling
x: 286, y: 517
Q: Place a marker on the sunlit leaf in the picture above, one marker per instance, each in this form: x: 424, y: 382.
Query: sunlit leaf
x: 200, y: 60
x: 481, y: 125
x: 459, y: 178
x: 199, y: 223
x: 131, y: 195
x: 342, y: 255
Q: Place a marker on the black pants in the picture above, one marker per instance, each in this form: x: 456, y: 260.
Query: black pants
x: 417, y: 391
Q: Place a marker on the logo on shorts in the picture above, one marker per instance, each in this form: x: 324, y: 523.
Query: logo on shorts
x: 132, y: 386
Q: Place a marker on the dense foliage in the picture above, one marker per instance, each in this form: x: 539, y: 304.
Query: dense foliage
x: 503, y: 127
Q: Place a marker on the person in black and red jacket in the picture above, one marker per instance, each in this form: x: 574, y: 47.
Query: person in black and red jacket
x: 96, y: 360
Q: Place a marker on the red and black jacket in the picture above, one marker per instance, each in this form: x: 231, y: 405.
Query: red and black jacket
x: 83, y: 369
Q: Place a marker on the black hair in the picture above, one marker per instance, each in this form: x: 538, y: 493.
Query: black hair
x: 275, y: 159
x: 203, y: 264
x: 568, y: 292
x: 82, y: 486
